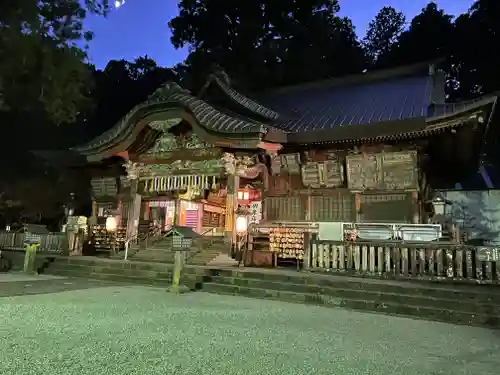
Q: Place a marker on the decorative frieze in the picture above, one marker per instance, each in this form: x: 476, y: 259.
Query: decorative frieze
x: 132, y: 169
x: 245, y: 166
x: 236, y: 164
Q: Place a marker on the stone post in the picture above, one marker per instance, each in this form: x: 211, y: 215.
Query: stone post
x: 177, y: 287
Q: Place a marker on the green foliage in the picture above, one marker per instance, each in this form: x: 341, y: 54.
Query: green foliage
x: 118, y: 88
x: 383, y: 33
x: 42, y: 70
x: 265, y: 43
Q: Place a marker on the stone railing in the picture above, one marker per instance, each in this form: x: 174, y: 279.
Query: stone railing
x: 434, y: 260
x: 51, y: 242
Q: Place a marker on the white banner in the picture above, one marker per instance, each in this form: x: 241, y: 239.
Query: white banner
x: 255, y: 212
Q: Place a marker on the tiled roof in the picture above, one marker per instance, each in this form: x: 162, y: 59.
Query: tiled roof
x: 373, y: 102
x: 382, y: 105
x: 167, y: 99
x: 246, y: 102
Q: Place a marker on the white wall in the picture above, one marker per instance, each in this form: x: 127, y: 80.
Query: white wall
x: 479, y: 210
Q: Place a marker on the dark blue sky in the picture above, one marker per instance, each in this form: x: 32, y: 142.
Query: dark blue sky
x: 140, y: 27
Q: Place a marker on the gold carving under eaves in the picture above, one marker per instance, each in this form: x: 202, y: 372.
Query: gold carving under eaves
x: 236, y: 165
x: 132, y: 170
x: 211, y: 166
x: 245, y: 167
x: 168, y: 143
x: 192, y: 185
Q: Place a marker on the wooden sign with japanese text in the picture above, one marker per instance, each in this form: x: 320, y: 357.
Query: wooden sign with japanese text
x: 383, y: 171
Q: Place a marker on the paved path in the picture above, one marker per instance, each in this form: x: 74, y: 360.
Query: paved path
x: 144, y: 330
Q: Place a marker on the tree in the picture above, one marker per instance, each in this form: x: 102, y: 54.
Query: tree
x: 42, y: 70
x: 429, y: 37
x: 383, y: 33
x: 118, y: 88
x: 476, y: 47
x: 265, y: 43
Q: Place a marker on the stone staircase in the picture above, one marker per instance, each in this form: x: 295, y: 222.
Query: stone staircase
x: 464, y: 304
x: 212, y: 249
x: 127, y: 272
x: 205, y: 251
x: 160, y: 252
x: 475, y: 305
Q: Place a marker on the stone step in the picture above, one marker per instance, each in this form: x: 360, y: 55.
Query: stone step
x: 112, y: 277
x: 111, y: 263
x: 436, y: 313
x: 145, y: 269
x: 144, y: 277
x: 472, y: 293
x: 154, y: 253
x: 109, y: 270
x: 223, y: 260
x: 207, y: 257
x: 408, y: 297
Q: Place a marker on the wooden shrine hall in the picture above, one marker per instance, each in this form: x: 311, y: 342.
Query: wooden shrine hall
x: 367, y: 148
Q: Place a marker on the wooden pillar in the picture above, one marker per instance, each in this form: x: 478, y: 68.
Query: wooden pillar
x: 134, y: 210
x: 415, y: 208
x: 119, y: 210
x: 357, y: 200
x: 147, y: 210
x: 93, y: 217
x: 308, y: 206
x: 233, y: 183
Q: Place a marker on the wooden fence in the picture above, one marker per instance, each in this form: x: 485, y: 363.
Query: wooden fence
x: 407, y: 260
x: 51, y: 243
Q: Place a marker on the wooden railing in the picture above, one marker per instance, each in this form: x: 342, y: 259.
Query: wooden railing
x: 429, y: 261
x: 52, y: 242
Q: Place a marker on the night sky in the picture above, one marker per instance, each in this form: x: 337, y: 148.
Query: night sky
x: 140, y: 27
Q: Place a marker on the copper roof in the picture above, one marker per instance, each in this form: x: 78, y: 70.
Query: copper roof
x: 383, y: 105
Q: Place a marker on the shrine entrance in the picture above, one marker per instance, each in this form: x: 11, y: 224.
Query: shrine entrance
x: 161, y: 213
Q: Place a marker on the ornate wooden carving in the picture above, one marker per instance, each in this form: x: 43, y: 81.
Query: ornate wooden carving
x: 383, y: 171
x: 171, y: 147
x: 323, y: 174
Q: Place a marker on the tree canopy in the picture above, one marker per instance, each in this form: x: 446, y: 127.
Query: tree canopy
x: 266, y: 43
x: 42, y: 68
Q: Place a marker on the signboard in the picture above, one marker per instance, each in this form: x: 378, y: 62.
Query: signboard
x: 310, y: 175
x: 291, y: 163
x: 255, y: 212
x: 104, y: 186
x: 322, y: 174
x: 162, y: 203
x: 399, y: 170
x: 334, y: 173
x: 383, y: 171
x: 362, y: 172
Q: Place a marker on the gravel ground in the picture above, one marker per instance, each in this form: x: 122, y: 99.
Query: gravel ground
x: 141, y: 330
